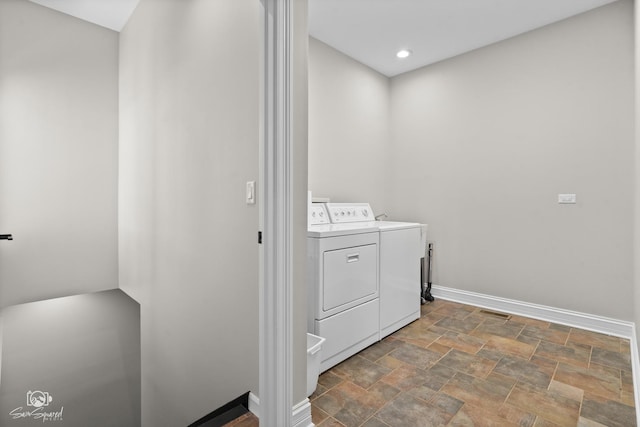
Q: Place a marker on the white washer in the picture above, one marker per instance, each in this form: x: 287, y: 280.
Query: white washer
x: 343, y: 291
x: 400, y: 254
x: 400, y: 251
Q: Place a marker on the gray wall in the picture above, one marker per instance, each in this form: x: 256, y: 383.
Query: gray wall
x: 637, y: 163
x: 1, y: 339
x: 482, y: 144
x: 348, y: 129
x: 58, y: 154
x: 189, y: 128
x: 299, y: 154
x: 83, y: 350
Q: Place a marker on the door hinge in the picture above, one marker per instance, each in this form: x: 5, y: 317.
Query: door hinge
x: 259, y: 237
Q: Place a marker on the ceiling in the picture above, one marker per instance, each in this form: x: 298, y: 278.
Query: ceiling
x: 112, y: 14
x: 372, y: 31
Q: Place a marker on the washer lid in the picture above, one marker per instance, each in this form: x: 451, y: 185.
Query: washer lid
x: 395, y: 225
x: 332, y: 230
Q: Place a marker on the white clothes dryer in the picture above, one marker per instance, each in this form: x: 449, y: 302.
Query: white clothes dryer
x: 343, y: 279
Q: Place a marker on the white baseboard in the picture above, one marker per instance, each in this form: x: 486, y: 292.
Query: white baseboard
x: 635, y: 366
x: 300, y: 413
x: 254, y: 404
x: 604, y: 325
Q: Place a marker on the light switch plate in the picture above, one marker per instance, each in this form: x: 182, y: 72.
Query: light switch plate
x: 251, y: 192
x: 566, y: 198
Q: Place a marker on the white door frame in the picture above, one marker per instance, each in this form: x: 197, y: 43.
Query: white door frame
x: 276, y: 396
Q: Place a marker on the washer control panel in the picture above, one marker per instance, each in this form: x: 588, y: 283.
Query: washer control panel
x: 350, y: 212
x: 318, y: 214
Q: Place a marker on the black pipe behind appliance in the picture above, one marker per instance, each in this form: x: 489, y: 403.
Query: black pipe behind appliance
x: 426, y: 275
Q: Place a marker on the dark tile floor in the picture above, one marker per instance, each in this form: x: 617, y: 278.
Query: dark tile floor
x: 461, y: 366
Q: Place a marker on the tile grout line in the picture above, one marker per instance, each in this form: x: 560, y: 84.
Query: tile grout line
x: 535, y: 350
x: 555, y: 370
x: 511, y: 391
x: 583, y: 390
x: 566, y: 342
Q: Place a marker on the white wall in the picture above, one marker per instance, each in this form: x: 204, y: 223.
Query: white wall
x: 58, y: 154
x: 84, y: 350
x: 484, y: 142
x: 189, y: 116
x: 348, y: 129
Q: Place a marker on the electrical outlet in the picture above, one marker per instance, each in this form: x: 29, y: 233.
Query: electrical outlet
x: 566, y: 198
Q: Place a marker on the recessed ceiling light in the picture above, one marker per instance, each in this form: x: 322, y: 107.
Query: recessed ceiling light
x: 404, y: 53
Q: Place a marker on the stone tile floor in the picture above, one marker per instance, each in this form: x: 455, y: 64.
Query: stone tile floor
x: 246, y: 420
x: 461, y: 366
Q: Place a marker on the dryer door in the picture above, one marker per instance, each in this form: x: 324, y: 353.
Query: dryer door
x: 350, y: 274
